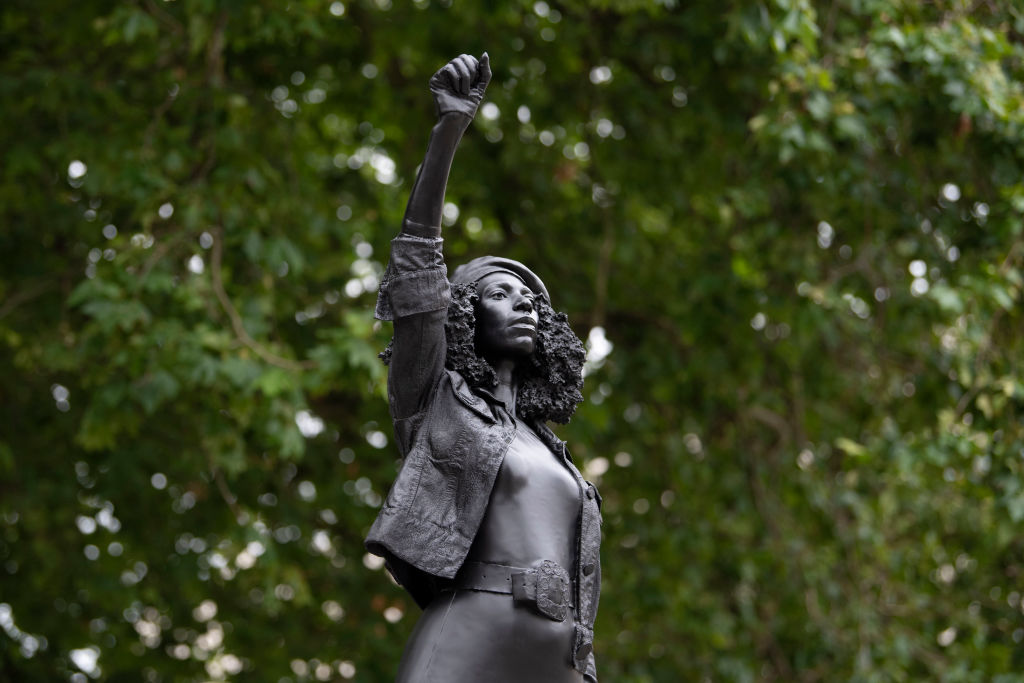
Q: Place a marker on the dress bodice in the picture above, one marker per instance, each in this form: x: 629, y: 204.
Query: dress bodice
x: 533, y: 510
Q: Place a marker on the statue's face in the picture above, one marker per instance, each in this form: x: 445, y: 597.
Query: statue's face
x: 506, y: 319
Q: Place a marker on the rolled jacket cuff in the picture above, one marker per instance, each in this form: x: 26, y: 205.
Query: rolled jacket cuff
x: 413, y: 293
x: 416, y: 279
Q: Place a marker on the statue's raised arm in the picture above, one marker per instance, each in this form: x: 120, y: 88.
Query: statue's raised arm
x: 458, y: 89
x: 415, y: 290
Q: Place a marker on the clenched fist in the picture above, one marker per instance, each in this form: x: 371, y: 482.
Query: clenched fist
x: 459, y: 85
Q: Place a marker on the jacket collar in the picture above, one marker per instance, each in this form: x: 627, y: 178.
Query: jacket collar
x: 470, y: 397
x: 481, y: 398
x: 549, y: 437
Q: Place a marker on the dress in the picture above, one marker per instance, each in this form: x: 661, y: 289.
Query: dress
x: 455, y: 440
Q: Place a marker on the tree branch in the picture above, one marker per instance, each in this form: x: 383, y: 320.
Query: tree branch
x: 225, y: 492
x: 236, y: 319
x: 24, y: 296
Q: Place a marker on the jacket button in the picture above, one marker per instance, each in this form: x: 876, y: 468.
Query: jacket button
x: 590, y: 492
x: 588, y: 568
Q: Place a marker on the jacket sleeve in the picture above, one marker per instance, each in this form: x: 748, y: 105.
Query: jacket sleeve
x: 414, y: 293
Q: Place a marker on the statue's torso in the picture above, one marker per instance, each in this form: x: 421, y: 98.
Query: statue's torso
x: 533, y: 510
x: 467, y: 635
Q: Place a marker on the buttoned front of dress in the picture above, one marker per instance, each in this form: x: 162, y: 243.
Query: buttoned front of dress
x: 587, y: 577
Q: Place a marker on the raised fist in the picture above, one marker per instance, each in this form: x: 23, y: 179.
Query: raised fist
x: 459, y: 85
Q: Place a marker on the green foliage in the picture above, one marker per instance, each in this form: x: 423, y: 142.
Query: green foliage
x: 798, y: 223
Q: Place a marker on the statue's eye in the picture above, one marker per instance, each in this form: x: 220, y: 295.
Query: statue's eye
x: 497, y: 294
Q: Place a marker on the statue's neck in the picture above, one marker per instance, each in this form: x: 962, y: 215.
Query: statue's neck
x: 506, y: 389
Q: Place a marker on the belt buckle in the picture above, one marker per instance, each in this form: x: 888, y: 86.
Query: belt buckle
x: 546, y: 587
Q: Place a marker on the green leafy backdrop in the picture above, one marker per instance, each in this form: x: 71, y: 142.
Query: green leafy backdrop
x: 797, y: 223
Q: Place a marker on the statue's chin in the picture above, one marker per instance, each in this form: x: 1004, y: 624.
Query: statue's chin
x: 495, y: 358
x: 512, y: 349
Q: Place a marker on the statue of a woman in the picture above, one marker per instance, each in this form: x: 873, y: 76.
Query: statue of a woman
x: 489, y: 525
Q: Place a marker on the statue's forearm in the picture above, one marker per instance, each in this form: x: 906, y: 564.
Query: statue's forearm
x: 426, y: 201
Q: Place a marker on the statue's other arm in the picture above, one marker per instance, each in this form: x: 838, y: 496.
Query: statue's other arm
x: 415, y: 286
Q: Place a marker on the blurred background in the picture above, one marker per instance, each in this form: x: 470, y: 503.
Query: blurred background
x: 790, y: 232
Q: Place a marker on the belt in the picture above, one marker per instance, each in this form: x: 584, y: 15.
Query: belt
x: 545, y: 586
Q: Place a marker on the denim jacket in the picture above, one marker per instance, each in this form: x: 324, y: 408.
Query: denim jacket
x: 453, y: 439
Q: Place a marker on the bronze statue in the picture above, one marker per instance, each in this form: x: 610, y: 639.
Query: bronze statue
x: 489, y: 525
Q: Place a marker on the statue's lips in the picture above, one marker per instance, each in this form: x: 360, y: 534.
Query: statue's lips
x: 524, y: 324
